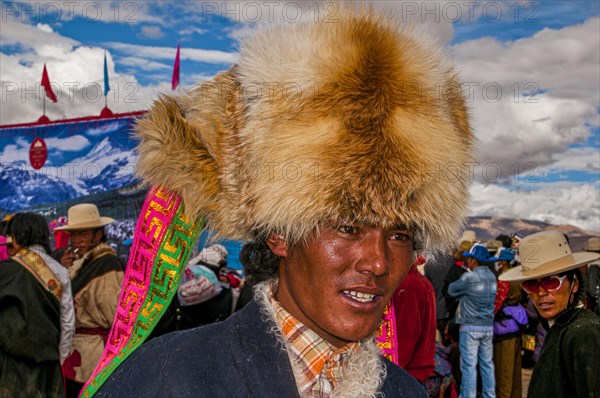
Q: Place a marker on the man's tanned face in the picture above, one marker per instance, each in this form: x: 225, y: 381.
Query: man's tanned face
x: 339, y: 281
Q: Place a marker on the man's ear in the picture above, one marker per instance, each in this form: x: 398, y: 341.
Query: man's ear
x: 97, y: 238
x: 277, y: 245
x: 576, y: 284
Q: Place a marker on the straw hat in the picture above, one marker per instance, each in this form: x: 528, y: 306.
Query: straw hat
x: 493, y: 245
x: 546, y: 253
x: 593, y: 244
x: 469, y: 236
x: 84, y: 216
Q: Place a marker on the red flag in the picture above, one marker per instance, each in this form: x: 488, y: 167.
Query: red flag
x: 175, y: 78
x: 46, y: 84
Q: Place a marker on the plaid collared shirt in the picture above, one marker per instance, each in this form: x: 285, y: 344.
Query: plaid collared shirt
x: 322, y: 364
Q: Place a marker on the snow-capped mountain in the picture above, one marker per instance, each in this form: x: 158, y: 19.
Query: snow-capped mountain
x: 108, y: 165
x: 23, y: 187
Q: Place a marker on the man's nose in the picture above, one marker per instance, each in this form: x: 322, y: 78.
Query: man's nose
x: 541, y: 291
x: 374, y: 255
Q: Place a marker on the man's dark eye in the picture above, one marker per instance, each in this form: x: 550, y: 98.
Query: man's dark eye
x: 347, y: 229
x: 401, y: 236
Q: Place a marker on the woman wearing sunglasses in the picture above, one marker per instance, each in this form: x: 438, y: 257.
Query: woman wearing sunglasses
x: 569, y: 362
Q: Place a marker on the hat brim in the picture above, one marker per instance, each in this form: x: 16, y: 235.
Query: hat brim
x: 496, y: 259
x: 575, y: 260
x: 469, y: 254
x: 103, y: 221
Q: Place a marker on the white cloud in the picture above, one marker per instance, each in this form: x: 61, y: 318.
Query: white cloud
x: 19, y: 151
x: 561, y: 203
x: 74, y: 143
x: 584, y: 159
x: 514, y: 134
x: 76, y: 74
x: 528, y: 137
x: 129, y: 12
x: 151, y: 32
x: 191, y: 30
x: 168, y: 53
x: 44, y: 27
x: 563, y: 62
x: 28, y: 36
x: 515, y: 128
x: 138, y: 62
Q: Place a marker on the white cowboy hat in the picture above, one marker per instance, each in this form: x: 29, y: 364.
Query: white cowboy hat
x: 84, y: 216
x: 593, y: 244
x: 467, y: 235
x: 543, y: 254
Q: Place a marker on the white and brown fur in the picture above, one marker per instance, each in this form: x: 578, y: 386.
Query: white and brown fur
x: 318, y: 122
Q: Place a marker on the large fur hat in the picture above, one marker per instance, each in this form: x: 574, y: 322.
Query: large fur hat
x: 356, y: 120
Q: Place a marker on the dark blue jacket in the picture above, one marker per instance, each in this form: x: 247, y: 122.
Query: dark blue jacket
x: 238, y: 357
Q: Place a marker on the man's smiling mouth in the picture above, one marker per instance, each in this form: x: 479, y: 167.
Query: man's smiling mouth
x: 359, y: 296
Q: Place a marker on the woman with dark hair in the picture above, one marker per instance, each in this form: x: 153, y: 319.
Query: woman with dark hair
x: 568, y: 364
x: 36, y: 312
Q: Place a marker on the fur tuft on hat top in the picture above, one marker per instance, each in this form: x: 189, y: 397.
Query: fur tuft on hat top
x: 284, y: 142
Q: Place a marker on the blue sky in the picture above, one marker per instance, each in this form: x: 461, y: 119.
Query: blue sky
x: 518, y: 20
x: 513, y: 48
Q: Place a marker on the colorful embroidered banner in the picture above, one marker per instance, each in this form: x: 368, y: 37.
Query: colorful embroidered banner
x: 162, y: 244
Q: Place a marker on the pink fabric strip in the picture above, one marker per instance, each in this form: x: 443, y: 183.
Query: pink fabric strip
x: 386, y: 337
x: 156, y: 215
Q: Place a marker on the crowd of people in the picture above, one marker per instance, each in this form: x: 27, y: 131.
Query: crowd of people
x: 489, y: 323
x: 326, y: 256
x: 463, y: 315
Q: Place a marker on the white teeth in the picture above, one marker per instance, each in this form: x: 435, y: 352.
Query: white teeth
x: 359, y: 296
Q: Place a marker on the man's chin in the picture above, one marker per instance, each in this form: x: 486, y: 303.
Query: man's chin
x: 359, y: 333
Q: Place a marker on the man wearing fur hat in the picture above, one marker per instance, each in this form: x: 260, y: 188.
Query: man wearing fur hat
x: 332, y: 192
x: 568, y: 363
x: 96, y: 277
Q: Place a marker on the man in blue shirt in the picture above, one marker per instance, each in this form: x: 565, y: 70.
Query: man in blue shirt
x: 476, y: 290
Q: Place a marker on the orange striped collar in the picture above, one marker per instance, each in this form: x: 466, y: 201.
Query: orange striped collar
x: 322, y: 364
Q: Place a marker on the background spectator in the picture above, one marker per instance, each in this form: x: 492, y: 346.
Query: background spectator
x: 435, y: 271
x: 477, y: 292
x: 96, y: 277
x: 30, y: 330
x: 414, y: 302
